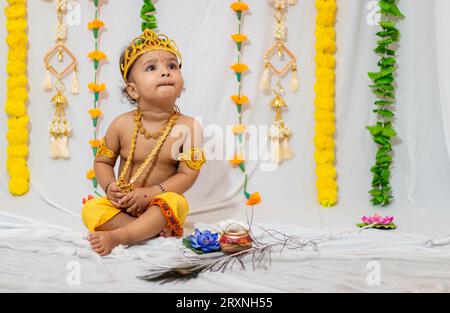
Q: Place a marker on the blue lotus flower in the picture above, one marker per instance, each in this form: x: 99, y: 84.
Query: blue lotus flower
x: 206, y: 241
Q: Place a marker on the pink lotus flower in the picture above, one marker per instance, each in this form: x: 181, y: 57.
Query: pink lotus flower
x: 377, y: 219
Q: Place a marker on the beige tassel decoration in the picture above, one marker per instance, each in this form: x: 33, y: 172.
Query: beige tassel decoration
x: 47, y: 84
x: 286, y: 149
x: 265, y: 80
x: 75, y: 87
x: 275, y: 143
x: 54, y: 147
x: 294, y: 80
x: 64, y: 147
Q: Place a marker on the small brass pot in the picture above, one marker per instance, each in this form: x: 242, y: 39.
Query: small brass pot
x: 235, y: 240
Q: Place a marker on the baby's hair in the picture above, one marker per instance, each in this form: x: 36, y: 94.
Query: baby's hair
x: 123, y: 89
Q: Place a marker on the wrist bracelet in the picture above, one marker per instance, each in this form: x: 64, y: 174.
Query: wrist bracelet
x: 162, y: 187
x: 106, y: 189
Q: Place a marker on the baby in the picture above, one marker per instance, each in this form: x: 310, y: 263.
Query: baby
x: 160, y: 152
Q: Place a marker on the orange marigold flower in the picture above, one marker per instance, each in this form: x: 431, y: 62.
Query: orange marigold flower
x: 90, y: 174
x: 237, y: 160
x: 239, y: 6
x: 255, y: 198
x: 239, y: 128
x: 96, y: 24
x: 89, y: 198
x: 95, y: 143
x: 239, y: 99
x: 96, y: 87
x: 95, y: 113
x: 239, y: 67
x: 96, y: 55
x: 238, y: 38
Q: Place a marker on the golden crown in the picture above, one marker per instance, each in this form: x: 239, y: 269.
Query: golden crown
x: 147, y: 41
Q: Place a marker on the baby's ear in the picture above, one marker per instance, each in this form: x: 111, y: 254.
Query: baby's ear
x: 132, y: 91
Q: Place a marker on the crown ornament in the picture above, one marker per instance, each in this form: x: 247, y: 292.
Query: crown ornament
x: 147, y: 41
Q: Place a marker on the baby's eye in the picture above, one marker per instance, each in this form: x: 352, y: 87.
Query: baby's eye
x: 150, y: 68
x: 173, y: 66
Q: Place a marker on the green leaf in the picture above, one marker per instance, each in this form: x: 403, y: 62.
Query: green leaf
x: 381, y: 74
x: 187, y: 243
x: 384, y: 102
x: 384, y: 113
x: 386, y: 62
x: 375, y: 130
x: 388, y: 130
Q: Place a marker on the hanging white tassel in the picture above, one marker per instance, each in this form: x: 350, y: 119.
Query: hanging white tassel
x: 294, y: 80
x: 275, y: 144
x: 75, y: 87
x: 54, y: 147
x: 64, y: 147
x: 265, y: 80
x: 286, y: 150
x: 47, y: 84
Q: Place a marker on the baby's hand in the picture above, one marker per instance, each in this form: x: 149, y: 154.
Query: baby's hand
x: 136, y: 201
x: 114, y: 195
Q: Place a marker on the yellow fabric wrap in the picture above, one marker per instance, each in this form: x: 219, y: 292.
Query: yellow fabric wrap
x: 174, y: 207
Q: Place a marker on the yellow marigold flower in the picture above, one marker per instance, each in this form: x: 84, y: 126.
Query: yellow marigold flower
x: 325, y: 128
x: 90, y: 174
x: 326, y: 183
x: 239, y: 128
x: 326, y: 171
x: 96, y: 55
x: 96, y: 24
x: 255, y: 198
x: 95, y: 143
x: 324, y: 103
x: 326, y: 45
x: 95, y: 113
x: 324, y: 116
x: 237, y: 38
x: 324, y: 156
x: 239, y: 67
x: 237, y: 160
x: 97, y: 87
x: 325, y: 19
x: 18, y: 186
x: 239, y: 99
x: 323, y: 142
x: 239, y: 6
x: 326, y: 6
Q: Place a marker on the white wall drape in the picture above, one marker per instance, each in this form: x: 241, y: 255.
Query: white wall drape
x: 202, y: 29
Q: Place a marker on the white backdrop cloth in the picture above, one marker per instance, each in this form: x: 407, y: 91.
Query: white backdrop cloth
x: 202, y: 29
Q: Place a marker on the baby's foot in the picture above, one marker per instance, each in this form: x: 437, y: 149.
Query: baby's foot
x: 103, y: 242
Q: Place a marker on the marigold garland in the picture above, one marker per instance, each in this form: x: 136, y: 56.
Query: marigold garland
x: 16, y: 97
x: 239, y: 99
x: 96, y: 88
x: 384, y: 89
x: 324, y: 102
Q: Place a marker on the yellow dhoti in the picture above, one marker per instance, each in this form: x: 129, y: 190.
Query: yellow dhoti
x: 174, y: 207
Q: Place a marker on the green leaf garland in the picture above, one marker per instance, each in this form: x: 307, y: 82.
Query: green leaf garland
x: 384, y: 88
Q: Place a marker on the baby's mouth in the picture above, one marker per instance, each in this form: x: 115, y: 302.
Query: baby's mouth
x: 166, y: 84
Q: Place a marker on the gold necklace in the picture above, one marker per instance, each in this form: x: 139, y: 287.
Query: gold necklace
x: 121, y: 183
x: 149, y: 135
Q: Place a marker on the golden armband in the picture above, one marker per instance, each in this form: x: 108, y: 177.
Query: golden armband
x: 103, y: 150
x: 194, y: 158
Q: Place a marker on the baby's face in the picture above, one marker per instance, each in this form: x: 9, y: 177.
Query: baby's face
x: 156, y: 76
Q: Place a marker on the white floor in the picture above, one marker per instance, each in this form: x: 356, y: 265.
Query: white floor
x: 37, y: 257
